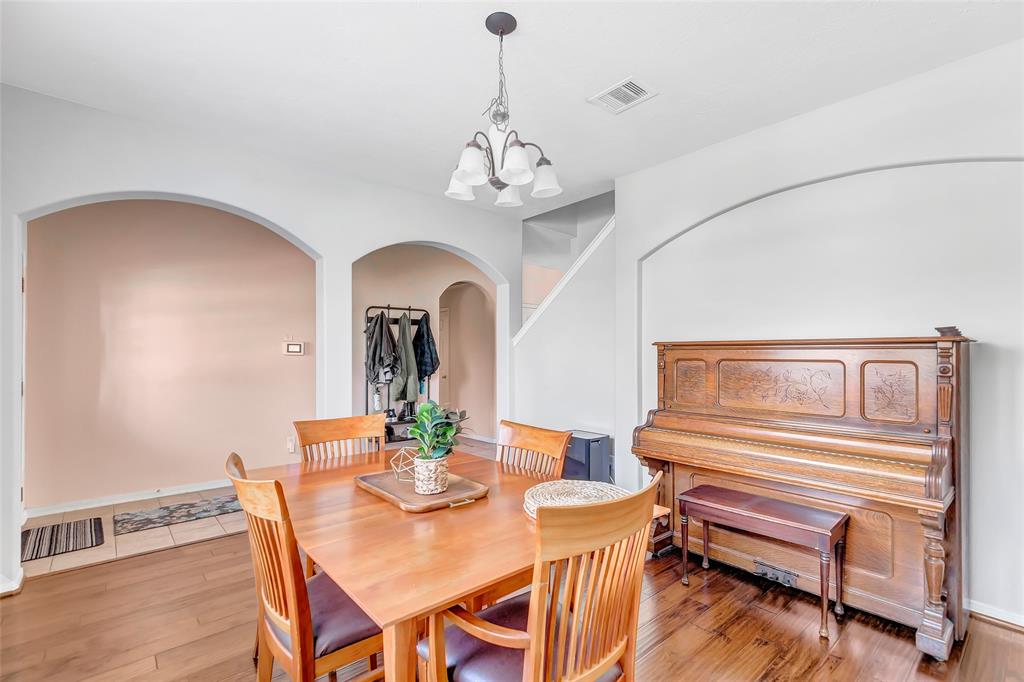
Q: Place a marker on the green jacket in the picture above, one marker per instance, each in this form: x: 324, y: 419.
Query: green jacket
x: 406, y: 384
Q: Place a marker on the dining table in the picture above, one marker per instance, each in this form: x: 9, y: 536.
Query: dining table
x: 400, y: 567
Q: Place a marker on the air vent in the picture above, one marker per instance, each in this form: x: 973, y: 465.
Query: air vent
x: 622, y: 96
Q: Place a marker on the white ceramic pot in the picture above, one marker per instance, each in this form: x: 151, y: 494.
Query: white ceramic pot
x: 431, y: 476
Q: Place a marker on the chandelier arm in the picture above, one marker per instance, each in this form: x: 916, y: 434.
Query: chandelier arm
x: 504, y: 146
x: 534, y: 145
x: 487, y: 149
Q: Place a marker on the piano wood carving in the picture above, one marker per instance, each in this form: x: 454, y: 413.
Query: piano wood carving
x: 872, y: 427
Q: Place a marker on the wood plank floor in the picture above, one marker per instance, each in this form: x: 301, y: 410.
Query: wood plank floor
x: 187, y: 613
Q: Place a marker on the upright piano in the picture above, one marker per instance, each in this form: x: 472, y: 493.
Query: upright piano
x: 874, y: 427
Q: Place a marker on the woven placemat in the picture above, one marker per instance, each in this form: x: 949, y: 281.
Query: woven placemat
x: 569, y: 493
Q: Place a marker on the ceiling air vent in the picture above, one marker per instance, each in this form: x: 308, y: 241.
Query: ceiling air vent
x: 622, y: 96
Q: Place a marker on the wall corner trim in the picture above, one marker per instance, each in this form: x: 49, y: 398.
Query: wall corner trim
x: 608, y: 228
x: 11, y: 586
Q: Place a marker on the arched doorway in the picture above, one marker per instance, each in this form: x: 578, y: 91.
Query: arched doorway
x: 466, y: 347
x: 154, y: 337
x: 416, y: 276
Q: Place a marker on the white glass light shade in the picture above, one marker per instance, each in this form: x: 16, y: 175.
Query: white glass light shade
x: 545, y: 182
x: 509, y: 197
x: 458, y: 190
x: 471, y: 170
x: 516, y: 169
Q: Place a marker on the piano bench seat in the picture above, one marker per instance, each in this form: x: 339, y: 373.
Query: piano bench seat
x: 819, y: 529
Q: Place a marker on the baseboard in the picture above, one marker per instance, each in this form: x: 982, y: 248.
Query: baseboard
x: 996, y: 616
x: 127, y: 497
x: 10, y: 586
x: 483, y: 439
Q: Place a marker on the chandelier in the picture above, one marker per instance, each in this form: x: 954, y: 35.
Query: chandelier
x: 499, y: 157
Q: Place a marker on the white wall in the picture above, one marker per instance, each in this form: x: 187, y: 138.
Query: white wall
x: 56, y: 154
x: 817, y: 261
x: 563, y: 369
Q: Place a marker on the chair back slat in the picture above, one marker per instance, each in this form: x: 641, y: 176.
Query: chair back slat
x: 280, y: 581
x: 321, y: 439
x: 586, y: 586
x: 533, y: 448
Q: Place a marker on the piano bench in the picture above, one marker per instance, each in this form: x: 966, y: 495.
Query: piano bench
x: 818, y: 529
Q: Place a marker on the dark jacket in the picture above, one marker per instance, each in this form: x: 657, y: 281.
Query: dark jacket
x: 381, y: 355
x: 427, y: 361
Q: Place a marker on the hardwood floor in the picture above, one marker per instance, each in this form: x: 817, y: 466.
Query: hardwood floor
x: 187, y: 613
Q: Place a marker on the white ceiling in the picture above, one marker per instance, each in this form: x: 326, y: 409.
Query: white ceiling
x: 390, y: 92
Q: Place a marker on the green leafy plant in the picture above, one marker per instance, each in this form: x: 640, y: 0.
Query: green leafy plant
x: 435, y: 430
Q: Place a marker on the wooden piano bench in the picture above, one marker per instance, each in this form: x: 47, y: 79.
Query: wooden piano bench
x: 819, y: 529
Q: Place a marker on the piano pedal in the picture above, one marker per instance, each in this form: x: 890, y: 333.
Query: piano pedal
x: 775, y: 574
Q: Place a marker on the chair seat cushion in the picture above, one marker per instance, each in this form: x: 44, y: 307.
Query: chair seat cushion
x: 337, y: 620
x: 472, y: 660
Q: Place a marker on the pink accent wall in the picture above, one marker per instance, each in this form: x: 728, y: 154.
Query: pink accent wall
x: 417, y: 276
x: 154, y: 332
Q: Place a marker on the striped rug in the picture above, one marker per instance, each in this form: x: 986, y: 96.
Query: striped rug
x: 38, y: 543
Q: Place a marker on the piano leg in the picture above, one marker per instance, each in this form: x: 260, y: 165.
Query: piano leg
x: 684, y: 530
x: 840, y: 560
x: 935, y: 634
x: 707, y: 540
x: 825, y: 560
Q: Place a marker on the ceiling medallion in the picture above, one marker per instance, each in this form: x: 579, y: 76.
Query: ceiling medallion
x: 499, y: 157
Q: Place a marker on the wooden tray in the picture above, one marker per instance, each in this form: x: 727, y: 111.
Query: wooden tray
x: 401, y: 493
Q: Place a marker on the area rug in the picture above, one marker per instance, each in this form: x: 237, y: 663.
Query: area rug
x: 60, y: 538
x: 130, y: 522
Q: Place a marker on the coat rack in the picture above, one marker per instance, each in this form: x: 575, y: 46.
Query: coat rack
x: 367, y: 318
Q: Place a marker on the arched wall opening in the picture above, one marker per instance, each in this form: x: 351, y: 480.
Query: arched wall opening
x: 466, y: 347
x: 154, y: 337
x: 889, y: 251
x: 416, y: 275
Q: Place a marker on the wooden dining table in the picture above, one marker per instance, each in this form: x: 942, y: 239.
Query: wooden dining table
x: 399, y: 566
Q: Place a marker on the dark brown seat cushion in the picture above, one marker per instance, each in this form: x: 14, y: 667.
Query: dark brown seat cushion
x: 337, y: 620
x: 472, y: 660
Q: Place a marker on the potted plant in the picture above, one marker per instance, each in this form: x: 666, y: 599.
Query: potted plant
x: 435, y: 430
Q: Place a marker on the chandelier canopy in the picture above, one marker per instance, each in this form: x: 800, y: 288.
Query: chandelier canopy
x: 499, y: 157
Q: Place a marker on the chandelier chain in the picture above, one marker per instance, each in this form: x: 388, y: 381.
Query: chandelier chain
x: 498, y: 109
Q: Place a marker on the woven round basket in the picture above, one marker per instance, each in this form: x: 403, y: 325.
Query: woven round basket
x: 569, y: 494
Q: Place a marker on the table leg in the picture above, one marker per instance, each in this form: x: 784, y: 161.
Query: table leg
x: 840, y: 561
x: 707, y: 540
x: 684, y: 529
x: 825, y: 560
x: 399, y: 652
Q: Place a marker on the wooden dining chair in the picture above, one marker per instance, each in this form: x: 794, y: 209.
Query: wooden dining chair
x: 321, y: 439
x: 310, y: 627
x: 325, y: 439
x: 578, y: 623
x: 533, y: 448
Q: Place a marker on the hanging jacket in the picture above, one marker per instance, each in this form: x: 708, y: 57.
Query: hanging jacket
x: 381, y: 355
x: 427, y: 361
x: 405, y: 385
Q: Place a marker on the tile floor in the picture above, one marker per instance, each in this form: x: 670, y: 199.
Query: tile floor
x: 140, y: 542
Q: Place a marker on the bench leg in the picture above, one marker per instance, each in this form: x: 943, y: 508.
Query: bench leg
x: 825, y: 560
x: 684, y: 529
x: 707, y: 526
x: 840, y: 561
